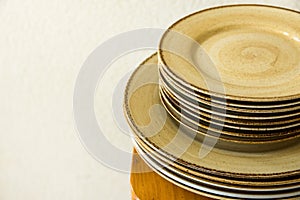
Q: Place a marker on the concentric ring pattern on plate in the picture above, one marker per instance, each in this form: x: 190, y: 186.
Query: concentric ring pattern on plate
x: 254, y: 50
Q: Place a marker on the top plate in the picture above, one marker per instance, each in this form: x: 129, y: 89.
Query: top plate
x: 241, y: 52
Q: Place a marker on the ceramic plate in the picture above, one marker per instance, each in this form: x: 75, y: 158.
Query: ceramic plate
x: 240, y: 126
x: 160, y: 132
x: 191, y: 96
x: 207, y: 188
x: 218, y: 128
x: 209, y: 181
x: 234, y: 120
x: 232, y: 140
x: 241, y: 52
x: 218, y: 101
x: 226, y: 113
x: 261, y: 184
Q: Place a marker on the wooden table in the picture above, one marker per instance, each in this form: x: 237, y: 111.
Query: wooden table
x: 150, y: 186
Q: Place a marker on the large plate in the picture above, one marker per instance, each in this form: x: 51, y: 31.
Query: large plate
x: 161, y: 133
x: 215, y: 187
x: 261, y: 184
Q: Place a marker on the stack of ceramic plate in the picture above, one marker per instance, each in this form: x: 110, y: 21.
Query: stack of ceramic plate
x: 216, y: 110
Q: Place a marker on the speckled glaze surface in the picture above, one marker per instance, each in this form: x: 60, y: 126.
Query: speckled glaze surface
x: 254, y: 50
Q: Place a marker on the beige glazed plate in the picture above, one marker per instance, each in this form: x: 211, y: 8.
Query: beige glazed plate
x: 253, y: 122
x: 193, y: 105
x: 242, y: 52
x: 231, y: 140
x: 261, y: 184
x: 222, y: 128
x: 158, y: 130
x: 215, y: 187
x: 188, y: 90
x: 234, y: 120
x: 199, y: 100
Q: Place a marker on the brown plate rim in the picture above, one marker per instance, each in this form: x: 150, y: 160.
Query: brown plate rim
x: 167, y: 80
x: 278, y: 135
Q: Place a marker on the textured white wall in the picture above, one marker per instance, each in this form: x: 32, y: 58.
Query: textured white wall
x: 42, y: 47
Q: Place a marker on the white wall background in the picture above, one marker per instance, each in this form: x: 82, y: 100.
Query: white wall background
x: 42, y: 47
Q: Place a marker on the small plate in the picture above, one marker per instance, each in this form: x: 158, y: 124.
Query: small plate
x: 199, y: 100
x: 241, y: 52
x: 218, y: 128
x: 225, y: 113
x: 238, y: 125
x: 221, y: 116
x: 234, y: 141
x: 239, y: 104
